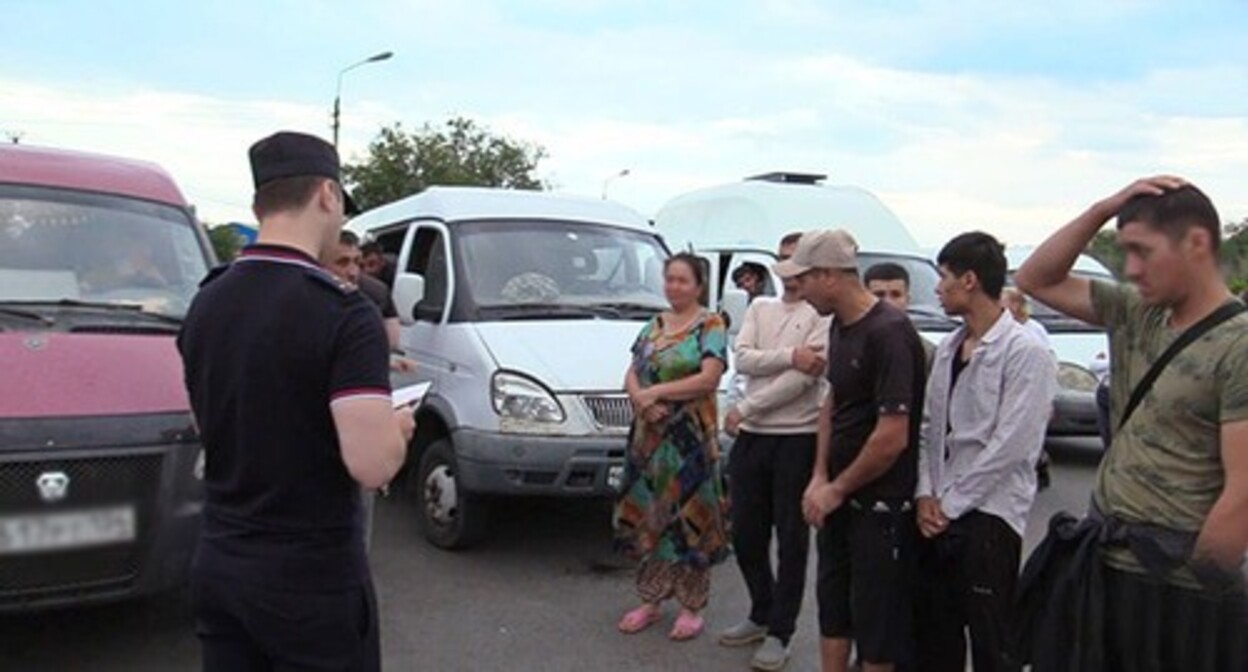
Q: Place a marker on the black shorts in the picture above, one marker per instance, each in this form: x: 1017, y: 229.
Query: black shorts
x: 867, y: 567
x: 246, y: 628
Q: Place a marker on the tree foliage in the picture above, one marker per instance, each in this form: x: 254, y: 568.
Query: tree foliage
x: 458, y: 152
x: 1234, y: 254
x: 225, y: 242
x: 1104, y: 248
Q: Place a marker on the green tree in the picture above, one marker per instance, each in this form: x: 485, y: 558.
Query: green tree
x: 225, y: 242
x: 1234, y: 255
x: 1104, y: 248
x: 459, y: 152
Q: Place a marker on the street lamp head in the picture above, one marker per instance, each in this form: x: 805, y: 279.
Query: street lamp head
x: 625, y: 172
x: 385, y: 55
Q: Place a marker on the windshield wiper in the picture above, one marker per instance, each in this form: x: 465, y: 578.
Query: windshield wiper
x: 632, y: 307
x: 128, y: 308
x: 28, y: 315
x: 537, y: 311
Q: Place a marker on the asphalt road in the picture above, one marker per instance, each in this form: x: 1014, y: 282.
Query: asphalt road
x: 543, y: 594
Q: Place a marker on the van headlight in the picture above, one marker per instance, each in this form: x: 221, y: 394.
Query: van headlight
x: 1075, y: 378
x: 198, y: 470
x: 522, y: 398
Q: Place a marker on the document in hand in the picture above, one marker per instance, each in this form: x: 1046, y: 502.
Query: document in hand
x: 410, y: 395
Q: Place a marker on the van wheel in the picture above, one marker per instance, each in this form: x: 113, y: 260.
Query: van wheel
x: 452, y: 518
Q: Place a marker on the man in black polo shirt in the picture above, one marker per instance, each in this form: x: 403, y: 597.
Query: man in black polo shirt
x: 286, y: 367
x: 861, y: 493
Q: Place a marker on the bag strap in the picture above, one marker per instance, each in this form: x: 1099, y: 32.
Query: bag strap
x: 1225, y: 312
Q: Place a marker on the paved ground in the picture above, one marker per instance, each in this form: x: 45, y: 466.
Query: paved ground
x: 543, y: 594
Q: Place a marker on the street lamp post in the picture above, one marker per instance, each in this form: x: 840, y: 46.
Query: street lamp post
x: 338, y: 90
x: 607, y: 182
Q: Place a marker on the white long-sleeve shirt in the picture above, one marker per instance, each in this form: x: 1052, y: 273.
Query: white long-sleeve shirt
x: 979, y: 444
x: 779, y: 399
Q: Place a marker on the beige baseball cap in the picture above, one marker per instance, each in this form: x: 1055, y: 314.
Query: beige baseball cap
x: 831, y: 249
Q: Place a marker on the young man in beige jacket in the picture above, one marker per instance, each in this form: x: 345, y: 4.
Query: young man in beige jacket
x: 781, y: 350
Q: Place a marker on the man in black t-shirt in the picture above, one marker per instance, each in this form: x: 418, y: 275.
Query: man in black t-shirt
x: 286, y: 370
x: 861, y: 494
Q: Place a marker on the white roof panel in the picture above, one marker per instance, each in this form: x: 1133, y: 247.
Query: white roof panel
x: 759, y: 213
x: 456, y: 204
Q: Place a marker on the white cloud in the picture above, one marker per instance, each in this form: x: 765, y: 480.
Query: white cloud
x: 947, y: 151
x: 202, y: 141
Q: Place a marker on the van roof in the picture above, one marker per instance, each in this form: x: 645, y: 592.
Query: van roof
x: 762, y: 210
x: 1084, y: 263
x: 458, y: 204
x: 45, y: 167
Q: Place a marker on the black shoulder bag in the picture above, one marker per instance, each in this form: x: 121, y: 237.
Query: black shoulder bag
x: 1225, y: 312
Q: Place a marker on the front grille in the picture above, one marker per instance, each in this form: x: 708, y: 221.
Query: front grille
x: 94, y: 482
x: 612, y: 412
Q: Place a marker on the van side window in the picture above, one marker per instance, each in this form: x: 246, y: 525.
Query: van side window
x: 428, y: 259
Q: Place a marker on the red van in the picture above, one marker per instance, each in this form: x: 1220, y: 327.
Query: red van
x: 100, y: 464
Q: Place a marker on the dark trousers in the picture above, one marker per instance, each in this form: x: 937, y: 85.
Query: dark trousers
x: 1153, y: 626
x: 966, y: 580
x: 769, y: 473
x: 245, y: 628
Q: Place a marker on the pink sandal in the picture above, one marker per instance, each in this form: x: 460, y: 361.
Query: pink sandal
x: 639, y: 619
x: 688, y: 626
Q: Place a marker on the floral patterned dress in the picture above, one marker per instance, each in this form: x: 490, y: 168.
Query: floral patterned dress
x: 672, y: 511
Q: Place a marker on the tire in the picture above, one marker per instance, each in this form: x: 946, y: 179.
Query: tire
x: 451, y: 518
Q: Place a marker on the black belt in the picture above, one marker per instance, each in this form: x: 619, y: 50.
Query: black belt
x: 876, y: 505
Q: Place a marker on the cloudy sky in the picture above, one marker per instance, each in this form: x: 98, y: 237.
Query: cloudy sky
x: 1003, y: 116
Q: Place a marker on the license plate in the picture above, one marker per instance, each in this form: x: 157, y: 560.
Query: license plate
x: 615, y: 476
x: 65, y: 531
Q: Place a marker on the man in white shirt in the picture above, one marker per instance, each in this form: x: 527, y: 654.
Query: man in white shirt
x: 781, y: 350
x: 984, y: 421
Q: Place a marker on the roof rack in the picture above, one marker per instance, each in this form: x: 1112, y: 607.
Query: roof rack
x: 789, y: 178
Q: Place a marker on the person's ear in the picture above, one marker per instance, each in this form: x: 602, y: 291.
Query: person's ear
x: 328, y: 198
x: 1196, y: 238
x: 969, y: 281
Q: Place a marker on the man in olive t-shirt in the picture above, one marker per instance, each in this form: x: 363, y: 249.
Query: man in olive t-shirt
x: 1172, y: 492
x: 1165, y: 467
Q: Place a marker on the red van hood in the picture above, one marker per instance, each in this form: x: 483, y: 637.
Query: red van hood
x: 51, y: 374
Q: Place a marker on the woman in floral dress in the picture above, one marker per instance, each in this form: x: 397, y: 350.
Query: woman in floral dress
x: 672, y: 510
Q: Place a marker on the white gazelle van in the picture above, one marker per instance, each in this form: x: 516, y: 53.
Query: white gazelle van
x: 742, y: 223
x: 521, y: 308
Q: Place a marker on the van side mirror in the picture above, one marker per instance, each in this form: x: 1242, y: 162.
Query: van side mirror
x: 734, y: 304
x: 409, y: 290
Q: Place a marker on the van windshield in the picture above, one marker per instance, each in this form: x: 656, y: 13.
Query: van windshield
x: 68, y: 247
x: 531, y: 269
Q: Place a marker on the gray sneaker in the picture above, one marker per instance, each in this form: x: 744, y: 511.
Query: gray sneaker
x: 743, y: 634
x: 772, y: 656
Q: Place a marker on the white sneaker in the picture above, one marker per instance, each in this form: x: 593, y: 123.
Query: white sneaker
x: 772, y: 656
x: 743, y: 634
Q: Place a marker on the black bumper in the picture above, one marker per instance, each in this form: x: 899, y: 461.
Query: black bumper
x: 141, y: 463
x: 1074, y: 414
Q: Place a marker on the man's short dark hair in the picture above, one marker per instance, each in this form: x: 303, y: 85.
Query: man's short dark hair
x: 887, y: 272
x: 349, y: 239
x: 1174, y: 213
x: 285, y: 194
x: 980, y: 253
x: 791, y: 239
x: 370, y: 248
x: 748, y: 268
